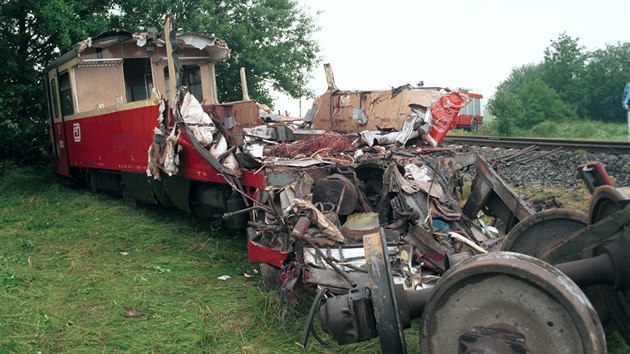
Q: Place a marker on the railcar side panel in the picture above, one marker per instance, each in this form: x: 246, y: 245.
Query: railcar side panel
x: 112, y: 141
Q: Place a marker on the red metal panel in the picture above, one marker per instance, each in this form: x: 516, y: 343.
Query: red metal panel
x: 260, y: 254
x: 114, y: 141
x: 444, y: 111
x: 120, y: 140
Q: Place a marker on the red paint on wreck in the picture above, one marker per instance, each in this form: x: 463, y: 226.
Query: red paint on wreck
x: 119, y: 141
x: 444, y: 111
x: 260, y: 254
x: 112, y: 141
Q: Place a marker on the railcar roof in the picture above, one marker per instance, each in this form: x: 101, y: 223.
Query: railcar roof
x: 216, y: 48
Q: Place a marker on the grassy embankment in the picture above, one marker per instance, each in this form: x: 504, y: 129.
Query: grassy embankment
x: 72, y: 263
x: 589, y: 130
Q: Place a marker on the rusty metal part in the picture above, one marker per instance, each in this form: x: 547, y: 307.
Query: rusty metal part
x: 594, y: 175
x: 349, y: 319
x: 301, y: 228
x: 425, y: 247
x: 502, y: 339
x: 245, y: 210
x: 537, y: 233
x: 381, y: 285
x: 607, y: 218
x: 330, y: 262
x: 514, y: 291
x: 341, y: 193
x: 332, y: 279
x: 607, y: 202
x: 490, y: 192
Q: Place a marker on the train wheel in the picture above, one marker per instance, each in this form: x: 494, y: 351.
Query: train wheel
x: 537, y: 233
x: 608, y: 200
x: 506, y: 302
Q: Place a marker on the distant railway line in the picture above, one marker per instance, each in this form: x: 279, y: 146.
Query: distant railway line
x: 614, y: 147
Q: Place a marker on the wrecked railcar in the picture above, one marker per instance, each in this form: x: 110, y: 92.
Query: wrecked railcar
x: 126, y: 117
x: 355, y: 200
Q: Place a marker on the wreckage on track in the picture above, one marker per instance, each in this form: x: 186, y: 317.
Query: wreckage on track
x: 356, y: 201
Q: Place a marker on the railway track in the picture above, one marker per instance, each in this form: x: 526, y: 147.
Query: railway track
x: 613, y: 147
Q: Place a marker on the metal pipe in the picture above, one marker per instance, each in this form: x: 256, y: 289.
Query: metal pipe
x: 245, y: 210
x: 590, y: 271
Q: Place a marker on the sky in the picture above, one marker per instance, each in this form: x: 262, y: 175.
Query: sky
x: 473, y: 44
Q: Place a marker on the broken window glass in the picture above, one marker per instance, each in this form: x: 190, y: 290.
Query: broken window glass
x: 138, y: 78
x: 65, y: 94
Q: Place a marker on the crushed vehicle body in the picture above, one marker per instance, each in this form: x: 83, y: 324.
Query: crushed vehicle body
x: 357, y: 201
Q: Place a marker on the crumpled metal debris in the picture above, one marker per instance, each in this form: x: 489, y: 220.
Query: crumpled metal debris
x: 327, y: 227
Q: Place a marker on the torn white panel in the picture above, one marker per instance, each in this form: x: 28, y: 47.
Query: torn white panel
x: 256, y: 150
x: 414, y: 119
x: 377, y: 138
x: 419, y: 173
x: 359, y: 117
x: 261, y: 131
x: 219, y: 148
x: 192, y: 111
x: 197, y: 41
x: 344, y: 101
x: 204, y: 134
x: 231, y: 164
x: 172, y: 159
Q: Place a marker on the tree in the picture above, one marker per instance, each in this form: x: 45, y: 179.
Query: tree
x: 272, y: 39
x: 520, y: 76
x: 524, y: 100
x: 505, y: 105
x: 564, y: 65
x: 541, y: 103
x: 607, y: 72
x: 506, y: 109
x: 32, y: 33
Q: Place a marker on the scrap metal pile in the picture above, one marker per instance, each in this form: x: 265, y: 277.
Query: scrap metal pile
x: 326, y: 190
x: 372, y: 220
x: 360, y: 204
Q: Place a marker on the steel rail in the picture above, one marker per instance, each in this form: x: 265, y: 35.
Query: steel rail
x: 613, y: 147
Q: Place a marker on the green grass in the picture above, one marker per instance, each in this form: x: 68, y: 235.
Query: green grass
x: 588, y: 130
x: 72, y: 262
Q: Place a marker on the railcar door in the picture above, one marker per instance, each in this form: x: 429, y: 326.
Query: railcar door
x: 59, y: 133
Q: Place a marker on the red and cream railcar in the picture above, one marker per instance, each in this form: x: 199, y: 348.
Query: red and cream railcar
x: 104, y: 101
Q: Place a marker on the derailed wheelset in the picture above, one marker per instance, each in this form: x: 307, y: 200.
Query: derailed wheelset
x: 507, y: 302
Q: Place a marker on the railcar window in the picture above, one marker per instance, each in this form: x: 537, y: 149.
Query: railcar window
x: 138, y: 78
x: 191, y: 78
x: 53, y: 86
x: 65, y: 94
